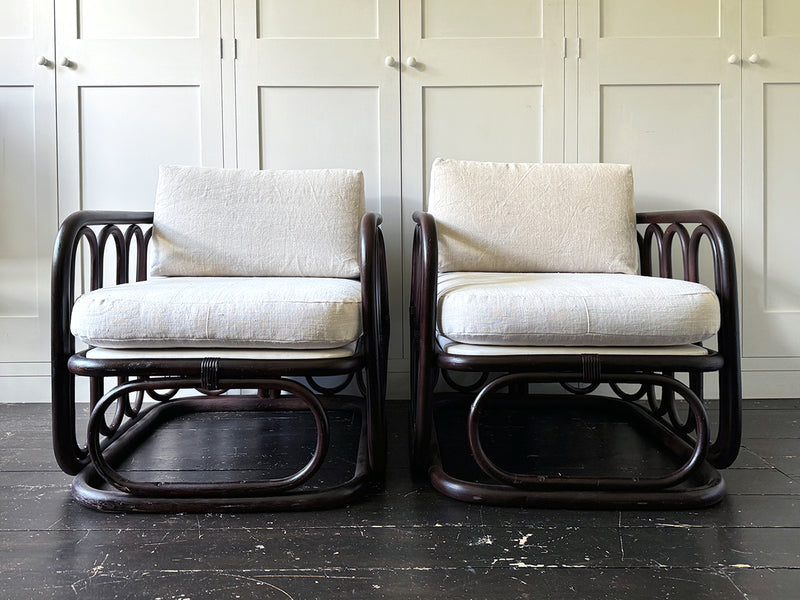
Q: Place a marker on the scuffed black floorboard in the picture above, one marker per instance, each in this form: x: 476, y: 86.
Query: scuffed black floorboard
x: 404, y: 540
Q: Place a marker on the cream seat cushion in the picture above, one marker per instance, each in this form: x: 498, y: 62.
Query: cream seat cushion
x: 221, y: 222
x: 534, y: 218
x: 574, y: 309
x: 221, y: 312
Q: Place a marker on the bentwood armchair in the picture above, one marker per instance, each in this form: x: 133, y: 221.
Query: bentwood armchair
x: 532, y: 279
x: 265, y: 293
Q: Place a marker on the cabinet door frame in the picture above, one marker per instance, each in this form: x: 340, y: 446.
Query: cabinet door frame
x: 771, y: 326
x: 25, y: 330
x: 696, y: 62
x: 187, y: 64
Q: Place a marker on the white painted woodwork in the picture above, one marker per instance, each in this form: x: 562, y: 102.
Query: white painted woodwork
x: 656, y: 18
x: 345, y: 19
x: 657, y: 90
x: 459, y: 19
x: 138, y: 19
x: 228, y: 46
x: 17, y: 20
x: 314, y: 89
x: 771, y: 180
x: 488, y: 84
x: 700, y: 96
x: 666, y: 130
x: 118, y: 127
x: 27, y: 189
x: 143, y: 89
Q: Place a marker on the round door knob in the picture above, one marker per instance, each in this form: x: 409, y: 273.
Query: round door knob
x: 733, y: 59
x: 411, y: 62
x: 65, y: 62
x: 753, y: 58
x: 42, y: 61
x: 390, y: 61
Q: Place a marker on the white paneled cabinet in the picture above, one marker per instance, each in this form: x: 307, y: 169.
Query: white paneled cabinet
x: 700, y: 96
x: 142, y: 87
x: 27, y: 190
x: 770, y: 184
x: 657, y: 90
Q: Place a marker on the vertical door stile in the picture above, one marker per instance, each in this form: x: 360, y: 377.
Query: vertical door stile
x: 27, y: 194
x: 770, y: 180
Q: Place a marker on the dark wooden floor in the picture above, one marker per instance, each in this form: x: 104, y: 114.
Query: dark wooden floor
x: 405, y: 541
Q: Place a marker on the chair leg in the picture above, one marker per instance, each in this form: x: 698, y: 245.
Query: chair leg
x: 421, y: 418
x: 376, y: 423
x: 91, y: 485
x: 694, y: 484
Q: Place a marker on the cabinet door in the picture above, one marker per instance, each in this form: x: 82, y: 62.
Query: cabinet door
x: 486, y: 82
x: 314, y: 90
x: 657, y: 90
x: 771, y: 180
x: 142, y: 88
x: 27, y: 189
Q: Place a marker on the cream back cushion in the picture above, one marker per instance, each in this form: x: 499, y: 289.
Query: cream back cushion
x: 229, y: 222
x: 540, y: 218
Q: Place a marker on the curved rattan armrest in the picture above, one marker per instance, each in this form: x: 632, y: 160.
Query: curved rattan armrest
x: 76, y: 227
x: 664, y: 228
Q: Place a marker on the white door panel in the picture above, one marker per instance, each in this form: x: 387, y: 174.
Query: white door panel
x: 27, y: 184
x: 771, y: 144
x: 142, y: 88
x: 656, y: 90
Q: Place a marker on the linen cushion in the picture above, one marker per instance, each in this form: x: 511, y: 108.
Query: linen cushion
x: 221, y: 312
x: 574, y: 309
x: 509, y: 217
x: 221, y: 222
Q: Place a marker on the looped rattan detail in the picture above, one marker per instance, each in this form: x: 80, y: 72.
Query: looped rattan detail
x: 539, y: 481
x: 229, y: 488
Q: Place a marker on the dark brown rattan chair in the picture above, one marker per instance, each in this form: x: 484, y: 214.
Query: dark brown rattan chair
x: 484, y: 427
x: 152, y: 384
